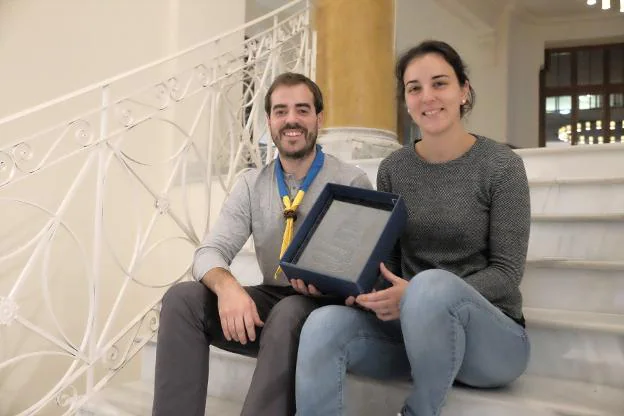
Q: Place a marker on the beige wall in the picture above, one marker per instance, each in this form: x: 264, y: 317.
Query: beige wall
x: 49, y: 49
x: 504, y: 56
x: 52, y: 48
x: 426, y: 19
x: 528, y: 41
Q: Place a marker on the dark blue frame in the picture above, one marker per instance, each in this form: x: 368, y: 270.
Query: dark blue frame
x: 370, y: 273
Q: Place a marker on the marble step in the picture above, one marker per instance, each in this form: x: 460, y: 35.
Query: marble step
x: 604, y: 161
x: 592, y: 286
x: 135, y: 399
x: 530, y: 395
x: 370, y: 166
x: 577, y: 346
x: 574, y: 285
x: 577, y: 237
x: 571, y: 345
x: 246, y: 269
x: 587, y: 162
x: 230, y: 373
x: 578, y: 196
x: 534, y: 395
x: 581, y: 347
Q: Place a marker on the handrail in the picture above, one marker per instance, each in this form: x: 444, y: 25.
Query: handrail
x: 213, y: 111
x: 108, y: 81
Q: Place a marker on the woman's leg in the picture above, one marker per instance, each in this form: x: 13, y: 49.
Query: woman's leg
x: 335, y: 339
x: 452, y: 332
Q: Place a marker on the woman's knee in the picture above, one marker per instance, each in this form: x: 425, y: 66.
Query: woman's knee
x: 328, y: 325
x: 434, y: 287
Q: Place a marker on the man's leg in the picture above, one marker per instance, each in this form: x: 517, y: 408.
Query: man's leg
x: 182, y: 350
x: 337, y: 339
x: 189, y: 323
x: 272, y: 390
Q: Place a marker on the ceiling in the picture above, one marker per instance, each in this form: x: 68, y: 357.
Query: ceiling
x: 541, y: 9
x: 566, y: 8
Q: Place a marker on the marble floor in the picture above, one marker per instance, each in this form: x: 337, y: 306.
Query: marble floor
x: 135, y: 399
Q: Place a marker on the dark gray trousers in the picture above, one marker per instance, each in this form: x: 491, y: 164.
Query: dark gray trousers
x: 189, y: 324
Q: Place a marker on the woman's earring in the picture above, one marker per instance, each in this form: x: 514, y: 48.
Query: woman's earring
x: 463, y: 101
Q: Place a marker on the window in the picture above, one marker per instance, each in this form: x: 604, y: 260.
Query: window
x: 582, y: 95
x: 589, y: 101
x: 560, y: 71
x: 561, y: 105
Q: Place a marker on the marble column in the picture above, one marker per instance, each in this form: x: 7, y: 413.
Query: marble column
x: 354, y: 68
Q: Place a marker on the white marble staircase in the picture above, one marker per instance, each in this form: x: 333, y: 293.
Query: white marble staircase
x: 573, y: 296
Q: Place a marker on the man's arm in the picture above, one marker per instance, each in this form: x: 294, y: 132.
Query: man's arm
x: 211, y: 265
x: 218, y: 280
x: 227, y: 236
x: 237, y: 310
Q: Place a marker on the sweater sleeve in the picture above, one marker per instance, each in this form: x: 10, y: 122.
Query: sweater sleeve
x: 510, y: 220
x: 229, y: 233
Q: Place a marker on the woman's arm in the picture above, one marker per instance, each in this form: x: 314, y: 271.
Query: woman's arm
x: 510, y: 221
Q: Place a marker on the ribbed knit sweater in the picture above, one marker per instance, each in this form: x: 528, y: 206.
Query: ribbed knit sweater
x: 469, y: 216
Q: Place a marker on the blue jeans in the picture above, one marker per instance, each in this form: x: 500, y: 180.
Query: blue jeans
x: 447, y: 331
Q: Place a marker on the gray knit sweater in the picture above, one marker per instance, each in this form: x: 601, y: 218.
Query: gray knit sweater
x: 470, y: 216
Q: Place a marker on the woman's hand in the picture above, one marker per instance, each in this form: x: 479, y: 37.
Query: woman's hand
x: 385, y: 303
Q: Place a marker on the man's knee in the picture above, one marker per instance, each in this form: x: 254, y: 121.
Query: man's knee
x: 185, y: 298
x: 288, y: 316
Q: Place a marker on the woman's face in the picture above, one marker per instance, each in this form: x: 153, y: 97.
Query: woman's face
x: 433, y: 94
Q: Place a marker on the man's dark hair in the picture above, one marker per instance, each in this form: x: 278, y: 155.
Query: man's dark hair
x: 449, y: 54
x: 291, y: 79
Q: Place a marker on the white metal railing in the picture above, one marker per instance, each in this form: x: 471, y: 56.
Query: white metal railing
x: 101, y: 210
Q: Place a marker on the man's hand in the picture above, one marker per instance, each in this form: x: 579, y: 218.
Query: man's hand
x: 238, y: 313
x: 385, y: 303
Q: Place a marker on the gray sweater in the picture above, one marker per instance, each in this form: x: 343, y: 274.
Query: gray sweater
x: 470, y: 216
x: 255, y: 208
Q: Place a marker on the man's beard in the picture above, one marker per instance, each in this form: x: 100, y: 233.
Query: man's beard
x: 310, y: 142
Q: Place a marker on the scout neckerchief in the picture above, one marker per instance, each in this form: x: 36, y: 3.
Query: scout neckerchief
x: 290, y: 207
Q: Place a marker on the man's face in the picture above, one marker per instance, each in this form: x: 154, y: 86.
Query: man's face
x: 293, y: 121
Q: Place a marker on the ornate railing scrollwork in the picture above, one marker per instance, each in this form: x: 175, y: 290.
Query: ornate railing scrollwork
x: 8, y: 311
x: 102, y: 211
x: 67, y: 397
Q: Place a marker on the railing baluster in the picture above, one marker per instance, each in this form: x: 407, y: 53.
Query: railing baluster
x: 97, y: 230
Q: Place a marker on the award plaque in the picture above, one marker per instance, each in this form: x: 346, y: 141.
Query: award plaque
x: 344, y: 237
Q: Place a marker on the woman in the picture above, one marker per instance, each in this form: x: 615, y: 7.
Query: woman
x: 456, y: 314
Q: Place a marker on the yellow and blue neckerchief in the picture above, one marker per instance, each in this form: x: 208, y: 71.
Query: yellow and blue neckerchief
x: 290, y: 208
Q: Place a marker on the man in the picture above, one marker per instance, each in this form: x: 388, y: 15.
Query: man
x: 263, y: 320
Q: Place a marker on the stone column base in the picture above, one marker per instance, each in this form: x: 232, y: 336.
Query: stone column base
x: 356, y: 143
